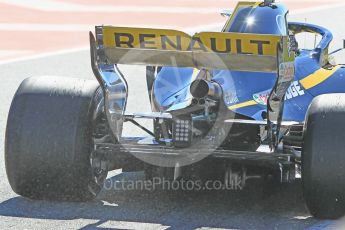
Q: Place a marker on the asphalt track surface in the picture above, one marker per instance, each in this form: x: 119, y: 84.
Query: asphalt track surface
x: 119, y: 209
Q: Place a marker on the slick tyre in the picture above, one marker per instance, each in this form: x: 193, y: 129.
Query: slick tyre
x: 49, y: 139
x: 323, y: 157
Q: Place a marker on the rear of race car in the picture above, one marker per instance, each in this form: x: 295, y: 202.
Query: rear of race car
x: 81, y: 136
x: 65, y: 135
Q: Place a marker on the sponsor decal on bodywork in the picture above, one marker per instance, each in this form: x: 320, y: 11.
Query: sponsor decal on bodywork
x: 161, y: 39
x: 262, y: 97
x: 295, y: 90
x: 231, y: 98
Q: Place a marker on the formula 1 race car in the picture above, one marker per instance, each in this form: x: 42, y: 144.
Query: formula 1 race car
x: 244, y: 103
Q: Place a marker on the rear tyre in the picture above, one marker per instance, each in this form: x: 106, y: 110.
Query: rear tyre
x: 49, y: 139
x: 323, y: 157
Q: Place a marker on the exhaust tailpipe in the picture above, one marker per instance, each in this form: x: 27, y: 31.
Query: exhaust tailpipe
x: 202, y: 88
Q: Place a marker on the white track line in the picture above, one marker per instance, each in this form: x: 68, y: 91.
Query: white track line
x: 115, y: 224
x: 8, y: 53
x: 45, y: 27
x: 44, y: 55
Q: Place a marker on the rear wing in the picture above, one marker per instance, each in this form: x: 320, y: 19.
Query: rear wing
x: 210, y: 50
x: 206, y: 50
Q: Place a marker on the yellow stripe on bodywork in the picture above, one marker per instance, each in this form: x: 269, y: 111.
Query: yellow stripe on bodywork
x: 318, y: 77
x: 308, y: 82
x: 242, y: 105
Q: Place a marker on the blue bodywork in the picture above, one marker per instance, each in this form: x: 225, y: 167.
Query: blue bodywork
x: 245, y: 92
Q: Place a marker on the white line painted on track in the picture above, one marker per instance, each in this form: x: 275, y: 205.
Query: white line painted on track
x: 44, y: 55
x: 45, y: 27
x: 12, y: 53
x: 112, y: 224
